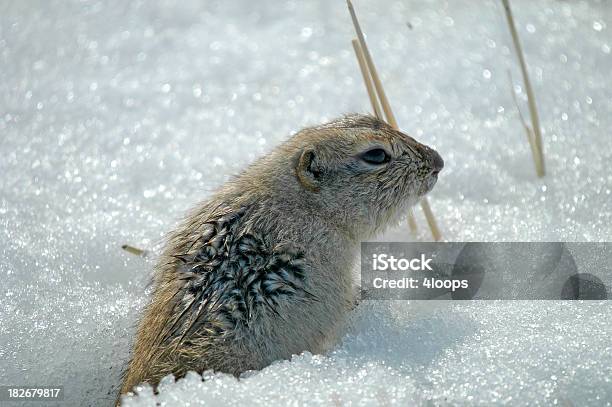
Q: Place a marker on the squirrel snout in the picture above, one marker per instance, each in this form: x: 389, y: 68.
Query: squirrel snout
x: 437, y: 163
x: 433, y: 159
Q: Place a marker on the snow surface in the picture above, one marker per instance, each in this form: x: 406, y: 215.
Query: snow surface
x: 115, y: 117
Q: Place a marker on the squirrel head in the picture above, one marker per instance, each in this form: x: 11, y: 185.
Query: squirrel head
x: 355, y: 172
x: 360, y: 169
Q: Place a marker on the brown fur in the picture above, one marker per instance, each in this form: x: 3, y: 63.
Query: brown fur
x: 313, y: 195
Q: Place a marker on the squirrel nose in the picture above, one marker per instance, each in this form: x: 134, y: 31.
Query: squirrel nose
x: 437, y: 163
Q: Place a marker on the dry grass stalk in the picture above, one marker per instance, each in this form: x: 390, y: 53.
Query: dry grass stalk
x: 376, y: 79
x: 367, y: 80
x: 528, y: 132
x: 135, y: 251
x: 534, y: 133
x: 431, y: 220
x: 386, y: 107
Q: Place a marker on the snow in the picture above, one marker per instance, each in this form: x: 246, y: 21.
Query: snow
x: 115, y: 117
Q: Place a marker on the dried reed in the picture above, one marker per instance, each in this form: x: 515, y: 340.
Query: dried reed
x: 534, y: 133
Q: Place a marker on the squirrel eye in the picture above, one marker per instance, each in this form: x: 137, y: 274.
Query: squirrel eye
x: 376, y: 156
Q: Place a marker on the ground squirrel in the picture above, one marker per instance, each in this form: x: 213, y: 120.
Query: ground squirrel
x: 262, y: 269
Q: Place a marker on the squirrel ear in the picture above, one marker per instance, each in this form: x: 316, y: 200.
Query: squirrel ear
x: 308, y: 170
